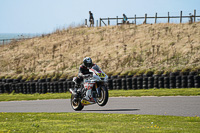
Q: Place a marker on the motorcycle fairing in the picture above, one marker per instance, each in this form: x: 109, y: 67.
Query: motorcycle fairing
x: 88, y: 85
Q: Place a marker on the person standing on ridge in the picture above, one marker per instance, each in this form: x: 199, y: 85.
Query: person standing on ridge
x: 91, y: 19
x: 125, y: 19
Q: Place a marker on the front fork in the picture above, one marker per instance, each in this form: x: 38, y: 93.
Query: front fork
x: 98, y: 90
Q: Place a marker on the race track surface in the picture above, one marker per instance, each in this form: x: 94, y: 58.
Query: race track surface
x: 177, y: 106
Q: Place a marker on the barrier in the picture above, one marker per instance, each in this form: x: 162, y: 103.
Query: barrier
x: 114, y: 83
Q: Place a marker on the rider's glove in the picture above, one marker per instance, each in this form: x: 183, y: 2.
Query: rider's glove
x: 86, y: 76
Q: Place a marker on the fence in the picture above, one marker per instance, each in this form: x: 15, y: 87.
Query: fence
x: 106, y: 21
x: 6, y: 41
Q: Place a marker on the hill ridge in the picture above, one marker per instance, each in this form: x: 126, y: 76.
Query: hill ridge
x: 116, y: 49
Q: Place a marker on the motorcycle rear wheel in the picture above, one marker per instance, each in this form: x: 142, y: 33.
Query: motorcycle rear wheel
x: 76, y: 105
x: 103, y: 99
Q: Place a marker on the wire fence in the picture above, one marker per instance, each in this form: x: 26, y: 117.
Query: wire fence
x: 7, y: 41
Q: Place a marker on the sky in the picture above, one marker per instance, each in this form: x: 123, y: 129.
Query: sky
x: 45, y: 16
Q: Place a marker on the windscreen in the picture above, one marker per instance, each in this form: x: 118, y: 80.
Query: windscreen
x: 95, y: 67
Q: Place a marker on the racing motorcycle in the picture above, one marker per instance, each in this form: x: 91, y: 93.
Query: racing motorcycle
x: 93, y: 90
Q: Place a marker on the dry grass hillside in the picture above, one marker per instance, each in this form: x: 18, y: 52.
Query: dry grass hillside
x: 116, y: 49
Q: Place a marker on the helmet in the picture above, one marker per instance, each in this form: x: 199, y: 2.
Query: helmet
x: 87, y: 61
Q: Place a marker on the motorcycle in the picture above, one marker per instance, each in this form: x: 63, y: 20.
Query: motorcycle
x: 93, y: 90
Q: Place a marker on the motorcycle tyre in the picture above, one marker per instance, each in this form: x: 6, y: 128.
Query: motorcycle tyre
x: 104, y: 95
x: 77, y: 106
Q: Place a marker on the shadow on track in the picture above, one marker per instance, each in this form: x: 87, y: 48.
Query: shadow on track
x: 114, y: 110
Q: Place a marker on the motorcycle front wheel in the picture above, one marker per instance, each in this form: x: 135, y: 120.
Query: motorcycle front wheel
x: 103, y: 99
x: 76, y: 105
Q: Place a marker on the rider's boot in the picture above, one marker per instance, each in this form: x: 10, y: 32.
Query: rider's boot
x: 75, y: 92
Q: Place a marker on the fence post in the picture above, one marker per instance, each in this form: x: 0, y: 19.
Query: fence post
x: 100, y: 22
x: 145, y: 20
x: 181, y: 17
x: 108, y: 21
x: 85, y: 22
x: 156, y: 18
x: 135, y: 19
x: 194, y: 15
x: 97, y: 24
x: 168, y: 17
x: 117, y: 20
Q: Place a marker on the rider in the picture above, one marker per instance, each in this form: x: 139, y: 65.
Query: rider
x: 83, y: 72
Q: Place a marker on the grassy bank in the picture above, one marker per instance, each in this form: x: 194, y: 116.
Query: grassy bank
x: 112, y: 93
x: 84, y: 122
x: 116, y: 49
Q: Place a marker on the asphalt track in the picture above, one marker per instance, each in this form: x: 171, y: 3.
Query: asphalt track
x: 176, y: 106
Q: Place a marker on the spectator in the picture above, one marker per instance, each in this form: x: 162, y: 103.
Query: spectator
x: 91, y: 19
x: 191, y: 18
x: 125, y: 19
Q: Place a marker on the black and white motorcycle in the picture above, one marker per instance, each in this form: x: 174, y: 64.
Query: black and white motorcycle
x: 93, y: 90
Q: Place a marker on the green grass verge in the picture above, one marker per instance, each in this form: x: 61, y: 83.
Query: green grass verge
x: 112, y: 93
x: 36, y: 96
x: 156, y: 92
x: 85, y: 122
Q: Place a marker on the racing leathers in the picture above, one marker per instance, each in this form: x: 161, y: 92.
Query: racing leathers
x: 83, y: 70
